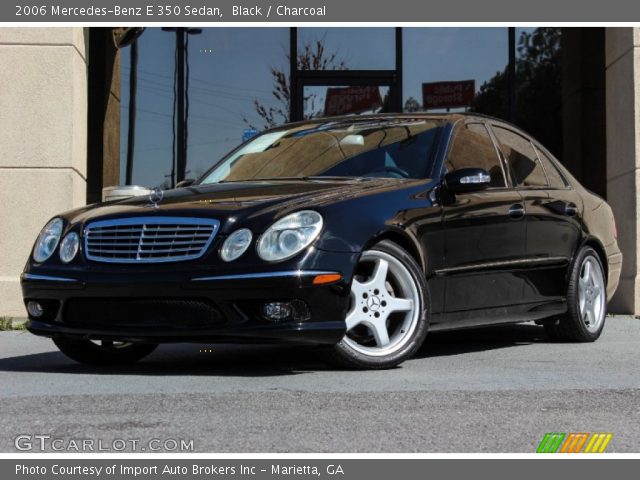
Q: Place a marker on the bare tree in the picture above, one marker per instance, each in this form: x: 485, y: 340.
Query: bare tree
x: 312, y: 57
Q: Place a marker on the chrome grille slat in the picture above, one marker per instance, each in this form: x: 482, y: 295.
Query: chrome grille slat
x: 136, y: 237
x: 147, y: 242
x: 149, y: 239
x: 116, y: 231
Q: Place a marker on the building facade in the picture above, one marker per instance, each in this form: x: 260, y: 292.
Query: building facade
x: 62, y: 137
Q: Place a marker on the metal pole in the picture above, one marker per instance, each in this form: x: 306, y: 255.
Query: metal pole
x: 294, y: 101
x: 398, y: 80
x: 181, y: 145
x: 511, y: 76
x: 131, y: 133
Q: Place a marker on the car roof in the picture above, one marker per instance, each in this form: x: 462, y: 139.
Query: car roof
x: 385, y: 117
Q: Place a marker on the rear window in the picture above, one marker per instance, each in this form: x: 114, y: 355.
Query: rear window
x: 522, y: 158
x: 554, y: 176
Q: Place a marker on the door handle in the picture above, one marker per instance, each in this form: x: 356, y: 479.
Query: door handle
x: 516, y: 211
x: 571, y: 209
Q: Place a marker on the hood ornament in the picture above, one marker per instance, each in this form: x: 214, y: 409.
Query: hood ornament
x: 155, y: 197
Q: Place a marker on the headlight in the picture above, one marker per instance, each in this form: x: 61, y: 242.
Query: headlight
x: 236, y: 244
x: 48, y: 240
x: 289, y: 235
x: 69, y: 247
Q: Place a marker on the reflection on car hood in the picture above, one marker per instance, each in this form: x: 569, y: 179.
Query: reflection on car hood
x: 241, y: 199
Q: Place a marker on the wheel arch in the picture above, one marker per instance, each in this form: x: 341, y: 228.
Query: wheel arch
x: 402, y: 239
x: 594, y: 243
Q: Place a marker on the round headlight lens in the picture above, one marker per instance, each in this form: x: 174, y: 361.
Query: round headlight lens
x: 236, y: 244
x: 289, y: 235
x: 48, y: 240
x: 69, y: 247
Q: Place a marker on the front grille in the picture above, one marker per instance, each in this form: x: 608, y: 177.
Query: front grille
x: 141, y: 312
x: 148, y: 239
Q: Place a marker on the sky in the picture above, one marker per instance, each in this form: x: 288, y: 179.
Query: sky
x: 230, y: 68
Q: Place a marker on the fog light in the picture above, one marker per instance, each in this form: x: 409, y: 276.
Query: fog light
x: 277, y: 311
x: 35, y: 309
x: 295, y: 310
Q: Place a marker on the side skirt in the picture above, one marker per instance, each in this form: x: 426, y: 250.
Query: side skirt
x: 494, y: 316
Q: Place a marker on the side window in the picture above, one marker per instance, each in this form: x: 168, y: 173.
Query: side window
x: 473, y: 148
x: 522, y: 158
x: 555, y: 179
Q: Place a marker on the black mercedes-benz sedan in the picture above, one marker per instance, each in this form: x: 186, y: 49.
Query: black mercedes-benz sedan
x: 357, y: 234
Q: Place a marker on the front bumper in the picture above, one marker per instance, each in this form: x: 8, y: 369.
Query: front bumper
x: 145, y: 306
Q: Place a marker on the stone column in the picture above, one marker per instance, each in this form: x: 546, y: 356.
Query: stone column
x: 43, y: 141
x: 623, y: 157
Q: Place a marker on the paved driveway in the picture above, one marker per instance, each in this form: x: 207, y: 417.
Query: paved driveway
x: 489, y: 390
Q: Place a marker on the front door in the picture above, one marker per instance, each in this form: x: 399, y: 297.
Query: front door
x: 484, y: 233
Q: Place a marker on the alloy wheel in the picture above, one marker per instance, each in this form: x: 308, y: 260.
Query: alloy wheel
x: 591, y: 294
x: 385, y: 305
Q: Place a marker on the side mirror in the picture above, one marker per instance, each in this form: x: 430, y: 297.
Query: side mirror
x: 187, y: 182
x: 466, y: 180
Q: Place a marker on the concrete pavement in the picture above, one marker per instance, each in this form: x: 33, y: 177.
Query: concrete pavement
x: 489, y: 390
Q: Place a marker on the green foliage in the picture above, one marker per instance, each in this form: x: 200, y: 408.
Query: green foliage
x: 538, y: 88
x: 8, y: 323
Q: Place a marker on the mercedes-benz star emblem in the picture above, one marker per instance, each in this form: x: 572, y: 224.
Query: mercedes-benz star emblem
x: 373, y: 303
x: 155, y: 197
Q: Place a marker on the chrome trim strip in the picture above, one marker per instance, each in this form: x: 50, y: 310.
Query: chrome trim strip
x: 46, y: 278
x: 215, y: 224
x: 244, y: 276
x: 505, y: 263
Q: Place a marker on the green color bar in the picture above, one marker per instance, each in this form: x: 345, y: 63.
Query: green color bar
x: 550, y: 442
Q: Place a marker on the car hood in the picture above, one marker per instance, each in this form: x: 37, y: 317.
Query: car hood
x: 241, y: 200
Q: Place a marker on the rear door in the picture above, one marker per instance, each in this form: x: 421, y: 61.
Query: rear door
x: 484, y: 231
x: 552, y: 229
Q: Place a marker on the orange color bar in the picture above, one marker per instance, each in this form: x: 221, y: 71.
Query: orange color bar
x: 568, y: 443
x: 580, y: 443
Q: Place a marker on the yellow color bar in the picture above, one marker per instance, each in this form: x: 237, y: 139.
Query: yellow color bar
x: 606, y: 441
x: 598, y: 443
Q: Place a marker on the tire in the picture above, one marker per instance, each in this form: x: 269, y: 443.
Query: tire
x: 388, y: 294
x: 586, y: 301
x: 103, y: 353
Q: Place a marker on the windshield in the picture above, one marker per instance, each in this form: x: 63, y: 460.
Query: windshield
x: 401, y: 148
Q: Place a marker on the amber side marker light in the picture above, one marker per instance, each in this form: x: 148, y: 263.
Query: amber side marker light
x: 326, y: 278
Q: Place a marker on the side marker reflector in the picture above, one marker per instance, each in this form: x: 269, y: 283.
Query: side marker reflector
x: 326, y: 278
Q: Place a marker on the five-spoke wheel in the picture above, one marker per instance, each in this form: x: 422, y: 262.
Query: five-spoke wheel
x: 586, y: 301
x: 591, y: 294
x: 386, y: 321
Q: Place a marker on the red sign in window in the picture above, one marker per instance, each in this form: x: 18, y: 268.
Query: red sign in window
x: 448, y: 94
x: 344, y: 100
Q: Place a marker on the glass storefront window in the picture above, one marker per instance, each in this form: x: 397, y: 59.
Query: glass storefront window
x: 239, y: 83
x: 434, y: 55
x: 352, y: 48
x: 230, y: 78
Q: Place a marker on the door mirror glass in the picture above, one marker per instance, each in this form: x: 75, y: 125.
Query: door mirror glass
x: 467, y: 180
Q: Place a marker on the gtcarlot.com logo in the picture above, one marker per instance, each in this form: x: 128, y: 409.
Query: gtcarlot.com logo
x: 555, y: 442
x: 45, y: 442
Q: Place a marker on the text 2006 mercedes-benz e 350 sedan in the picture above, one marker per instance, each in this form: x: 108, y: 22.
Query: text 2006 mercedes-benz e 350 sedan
x: 359, y: 234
